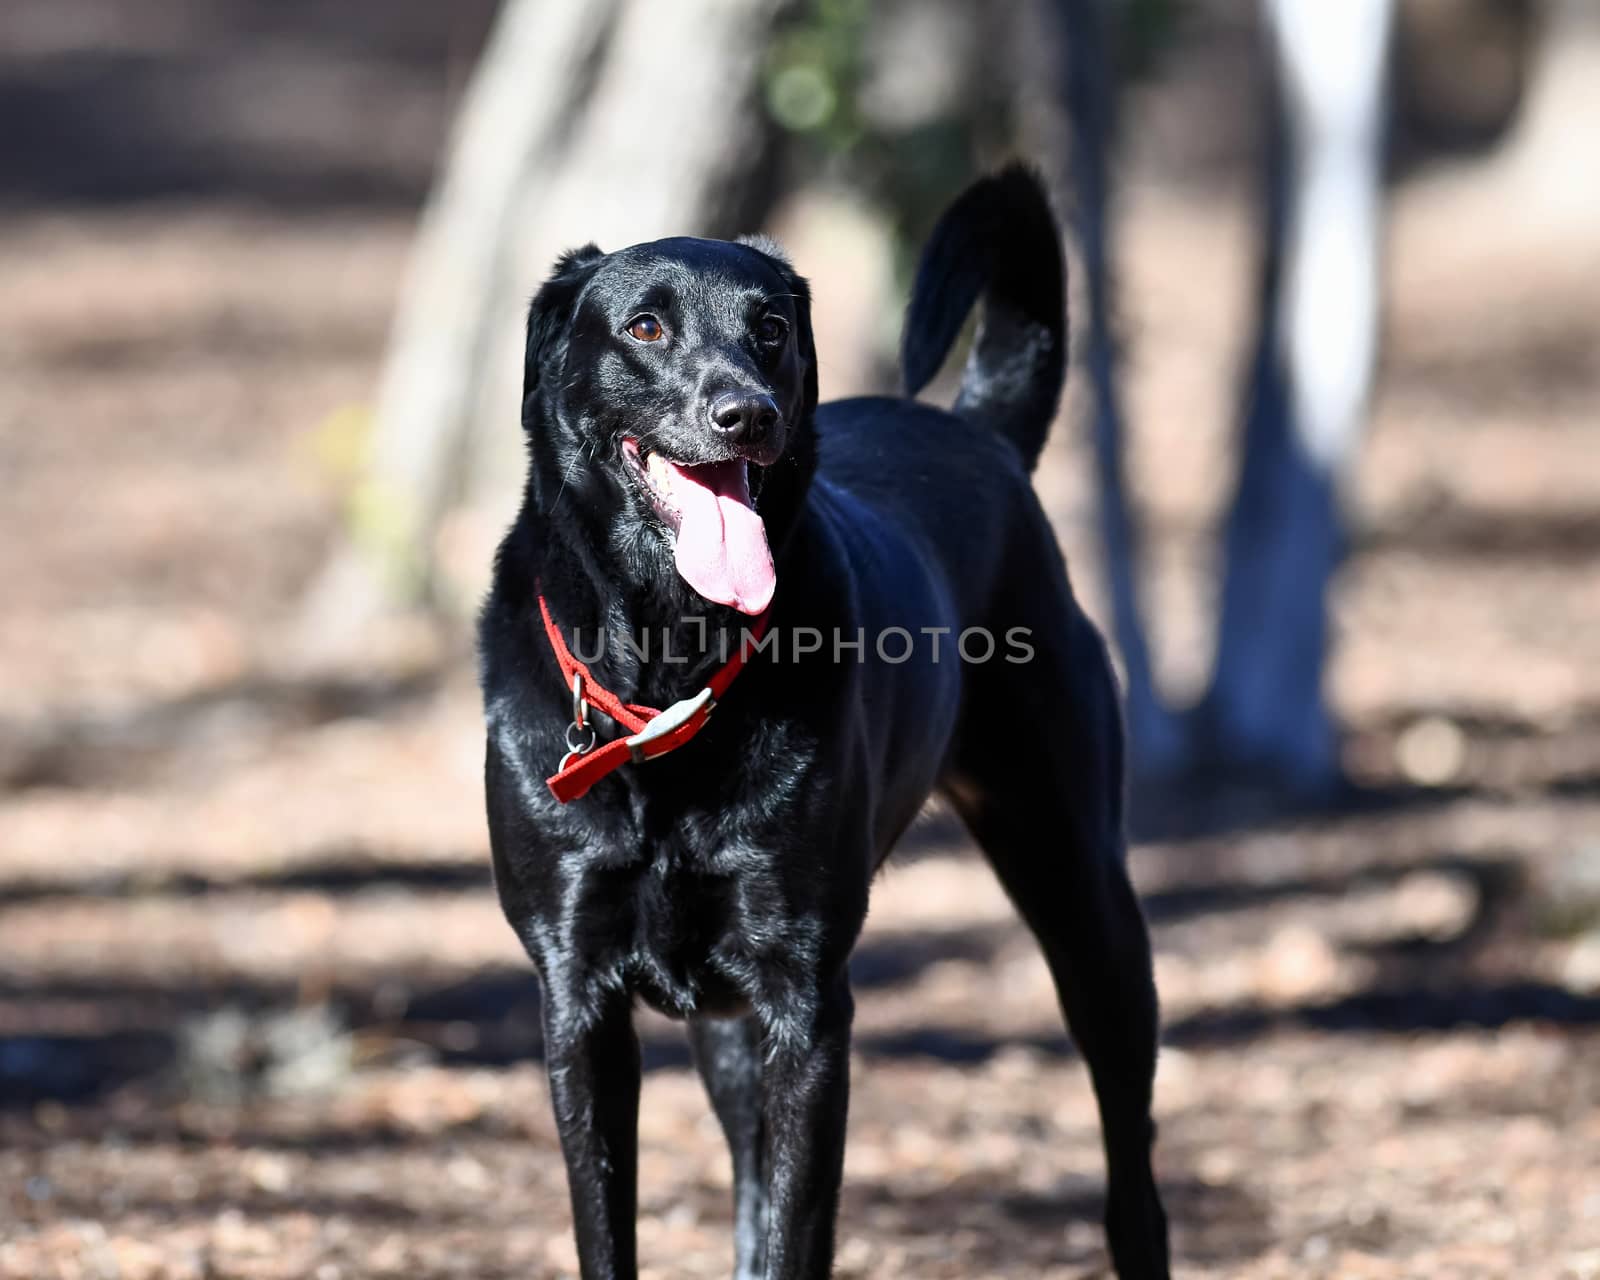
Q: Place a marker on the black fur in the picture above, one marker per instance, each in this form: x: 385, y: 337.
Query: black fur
x: 726, y: 883
x: 999, y: 240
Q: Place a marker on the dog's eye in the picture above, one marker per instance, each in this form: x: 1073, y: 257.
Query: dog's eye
x: 645, y: 329
x: 771, y: 328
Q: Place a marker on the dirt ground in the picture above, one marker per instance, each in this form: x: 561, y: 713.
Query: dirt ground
x: 260, y: 1018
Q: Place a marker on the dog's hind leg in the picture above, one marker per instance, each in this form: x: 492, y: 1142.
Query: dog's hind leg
x: 727, y: 1053
x: 1037, y: 776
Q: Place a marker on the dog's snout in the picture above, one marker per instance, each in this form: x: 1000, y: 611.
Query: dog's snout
x: 744, y: 417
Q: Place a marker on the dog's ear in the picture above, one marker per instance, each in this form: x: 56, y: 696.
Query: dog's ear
x: 800, y: 293
x: 550, y: 313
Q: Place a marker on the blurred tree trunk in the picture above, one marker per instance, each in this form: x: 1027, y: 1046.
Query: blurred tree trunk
x: 611, y: 120
x: 1086, y: 81
x: 1305, y: 412
x: 1264, y: 714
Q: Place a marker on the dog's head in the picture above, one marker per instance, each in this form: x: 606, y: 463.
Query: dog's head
x: 668, y: 396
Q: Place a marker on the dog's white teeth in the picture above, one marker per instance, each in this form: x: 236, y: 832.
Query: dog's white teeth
x: 660, y: 473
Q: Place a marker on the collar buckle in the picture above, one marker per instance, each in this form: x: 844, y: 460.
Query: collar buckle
x: 667, y: 723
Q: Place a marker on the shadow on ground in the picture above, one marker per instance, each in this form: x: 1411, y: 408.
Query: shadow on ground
x: 136, y: 1031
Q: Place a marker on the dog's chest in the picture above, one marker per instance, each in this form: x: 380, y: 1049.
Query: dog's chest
x: 693, y: 937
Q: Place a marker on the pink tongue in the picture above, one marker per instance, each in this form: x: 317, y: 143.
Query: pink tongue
x: 722, y: 545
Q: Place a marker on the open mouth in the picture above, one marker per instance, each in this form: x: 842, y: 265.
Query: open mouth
x: 660, y: 477
x: 719, y: 542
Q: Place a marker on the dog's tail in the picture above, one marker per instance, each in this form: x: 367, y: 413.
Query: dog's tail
x: 998, y: 239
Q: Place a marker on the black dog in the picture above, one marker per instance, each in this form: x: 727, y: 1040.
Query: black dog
x: 681, y: 477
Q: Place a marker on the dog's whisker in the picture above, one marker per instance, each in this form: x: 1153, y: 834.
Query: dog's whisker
x: 567, y: 474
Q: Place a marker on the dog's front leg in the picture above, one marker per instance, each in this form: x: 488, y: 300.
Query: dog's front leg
x: 592, y: 1056
x: 807, y: 1097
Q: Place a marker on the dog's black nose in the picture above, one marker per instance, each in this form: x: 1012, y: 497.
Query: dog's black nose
x: 745, y: 417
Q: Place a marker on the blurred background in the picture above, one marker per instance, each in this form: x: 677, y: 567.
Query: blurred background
x: 263, y: 264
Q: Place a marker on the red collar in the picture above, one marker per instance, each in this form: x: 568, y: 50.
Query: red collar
x: 652, y: 733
